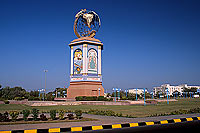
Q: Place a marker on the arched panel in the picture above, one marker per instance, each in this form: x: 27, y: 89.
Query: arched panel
x: 92, y: 61
x: 78, y: 61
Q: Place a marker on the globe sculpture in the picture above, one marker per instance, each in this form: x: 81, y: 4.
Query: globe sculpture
x: 86, y: 24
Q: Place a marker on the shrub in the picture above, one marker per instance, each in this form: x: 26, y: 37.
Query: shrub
x: 93, y: 98
x: 110, y: 99
x: 61, y: 114
x: 18, y: 98
x: 14, y: 115
x: 70, y: 116
x: 25, y: 114
x: 32, y: 98
x: 102, y: 98
x: 101, y: 112
x: 84, y: 98
x: 35, y: 113
x: 1, y: 117
x: 6, y: 102
x: 119, y: 115
x: 194, y: 110
x: 53, y: 114
x: 78, y: 114
x: 4, y: 117
x: 43, y: 117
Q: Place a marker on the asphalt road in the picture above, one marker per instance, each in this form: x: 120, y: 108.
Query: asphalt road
x: 183, y: 127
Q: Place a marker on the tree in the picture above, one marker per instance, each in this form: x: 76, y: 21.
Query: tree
x: 34, y: 93
x: 61, y: 91
x: 193, y: 89
x: 147, y: 95
x: 49, y: 96
x: 11, y: 93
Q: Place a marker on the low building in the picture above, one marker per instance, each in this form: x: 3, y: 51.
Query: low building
x: 173, y: 88
x: 139, y: 91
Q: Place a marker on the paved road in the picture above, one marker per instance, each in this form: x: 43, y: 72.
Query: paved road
x: 102, y: 120
x: 168, y: 128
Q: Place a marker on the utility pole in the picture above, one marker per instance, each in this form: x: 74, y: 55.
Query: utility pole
x: 114, y: 89
x: 144, y: 97
x: 136, y: 95
x: 45, y: 71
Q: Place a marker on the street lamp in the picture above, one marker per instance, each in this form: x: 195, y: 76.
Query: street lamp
x: 151, y: 95
x: 144, y: 97
x: 136, y: 95
x: 114, y: 89
x: 118, y: 93
x: 99, y: 90
x: 126, y: 92
x: 41, y: 91
x: 167, y: 95
x: 45, y: 71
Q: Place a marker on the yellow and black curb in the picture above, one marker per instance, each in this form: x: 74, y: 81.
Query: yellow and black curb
x: 101, y: 127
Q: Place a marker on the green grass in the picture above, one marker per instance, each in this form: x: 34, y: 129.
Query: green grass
x: 134, y: 110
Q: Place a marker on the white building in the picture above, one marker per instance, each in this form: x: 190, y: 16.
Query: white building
x: 139, y: 91
x: 173, y: 88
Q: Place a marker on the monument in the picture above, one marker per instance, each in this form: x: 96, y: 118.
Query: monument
x: 85, y: 73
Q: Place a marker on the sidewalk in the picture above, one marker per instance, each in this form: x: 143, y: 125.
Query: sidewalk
x: 102, y: 120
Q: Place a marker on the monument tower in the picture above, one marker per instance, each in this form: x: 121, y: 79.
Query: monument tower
x: 85, y: 73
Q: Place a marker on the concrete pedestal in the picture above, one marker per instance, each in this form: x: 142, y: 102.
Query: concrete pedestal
x: 85, y: 88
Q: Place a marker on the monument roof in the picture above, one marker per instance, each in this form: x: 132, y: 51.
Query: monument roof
x: 86, y: 39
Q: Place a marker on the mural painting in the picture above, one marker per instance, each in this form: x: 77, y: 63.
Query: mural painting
x: 92, y: 61
x: 78, y: 61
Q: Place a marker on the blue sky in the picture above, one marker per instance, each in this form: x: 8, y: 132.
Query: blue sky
x: 146, y: 43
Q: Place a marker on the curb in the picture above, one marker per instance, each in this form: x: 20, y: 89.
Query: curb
x: 101, y: 127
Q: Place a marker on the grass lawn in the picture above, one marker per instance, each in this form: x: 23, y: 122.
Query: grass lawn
x: 134, y: 110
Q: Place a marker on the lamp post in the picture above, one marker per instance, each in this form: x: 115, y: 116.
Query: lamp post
x: 118, y: 93
x: 64, y: 92
x: 136, y: 95
x: 99, y: 89
x: 56, y: 93
x: 41, y: 91
x: 126, y: 92
x: 144, y: 97
x: 167, y: 96
x: 45, y: 71
x: 151, y: 95
x: 114, y: 89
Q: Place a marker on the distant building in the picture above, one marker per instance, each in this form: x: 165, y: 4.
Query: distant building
x: 173, y: 88
x: 139, y: 91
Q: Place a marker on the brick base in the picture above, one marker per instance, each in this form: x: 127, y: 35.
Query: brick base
x: 84, y: 88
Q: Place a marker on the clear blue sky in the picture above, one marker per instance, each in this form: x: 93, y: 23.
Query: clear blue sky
x: 146, y: 42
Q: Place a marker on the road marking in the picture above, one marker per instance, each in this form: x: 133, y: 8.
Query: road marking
x: 5, y: 131
x: 54, y: 130
x: 73, y: 129
x: 30, y: 131
x: 97, y: 127
x: 149, y: 123
x: 189, y: 119
x: 134, y: 124
x: 116, y: 126
x: 177, y: 120
x: 164, y: 122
